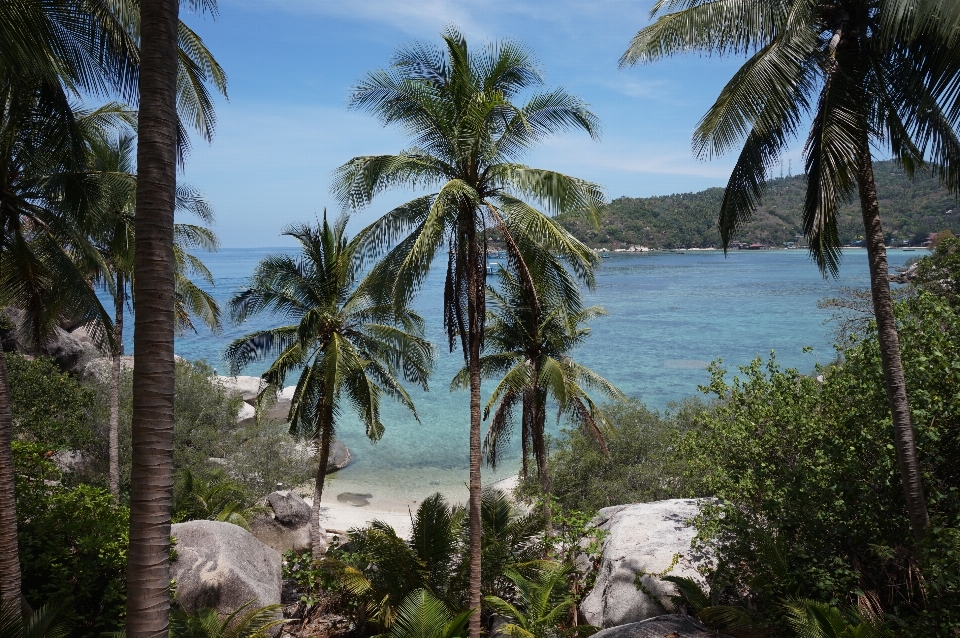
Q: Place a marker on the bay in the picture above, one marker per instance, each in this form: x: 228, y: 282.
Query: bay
x: 669, y: 315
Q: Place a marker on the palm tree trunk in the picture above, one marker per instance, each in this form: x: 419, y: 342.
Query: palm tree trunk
x: 151, y: 477
x: 326, y: 433
x: 539, y: 419
x: 890, y: 345
x: 9, y: 555
x: 475, y: 282
x: 114, y: 434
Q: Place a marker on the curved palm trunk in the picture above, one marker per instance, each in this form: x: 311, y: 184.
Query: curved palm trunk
x: 475, y: 285
x: 114, y: 434
x: 890, y: 345
x: 9, y: 555
x: 151, y: 478
x: 323, y: 451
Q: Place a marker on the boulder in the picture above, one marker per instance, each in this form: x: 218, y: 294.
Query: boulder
x: 70, y: 349
x: 287, y: 526
x: 339, y: 456
x: 288, y: 508
x: 222, y: 566
x: 643, y: 538
x: 668, y: 626
x: 101, y: 368
x: 246, y: 387
x: 246, y: 412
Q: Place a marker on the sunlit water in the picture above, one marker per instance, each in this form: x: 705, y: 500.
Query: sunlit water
x: 668, y: 316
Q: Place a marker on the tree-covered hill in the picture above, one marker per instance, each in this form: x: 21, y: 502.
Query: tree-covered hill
x: 911, y: 210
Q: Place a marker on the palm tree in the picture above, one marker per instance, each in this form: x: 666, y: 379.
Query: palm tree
x: 542, y: 604
x: 468, y: 135
x: 151, y: 475
x: 112, y: 162
x: 881, y: 72
x: 349, y: 348
x: 530, y: 338
x: 45, y: 212
x: 422, y: 615
x: 174, y: 67
x: 246, y: 622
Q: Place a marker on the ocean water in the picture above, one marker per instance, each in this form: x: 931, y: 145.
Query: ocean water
x: 669, y: 315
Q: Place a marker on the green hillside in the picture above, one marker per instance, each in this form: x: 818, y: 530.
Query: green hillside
x: 910, y: 211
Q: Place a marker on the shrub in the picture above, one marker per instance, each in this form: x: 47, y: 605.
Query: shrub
x: 49, y: 407
x: 640, y: 468
x: 73, y: 544
x: 811, y: 501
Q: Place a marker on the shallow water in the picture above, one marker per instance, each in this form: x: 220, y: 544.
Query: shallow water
x: 669, y: 315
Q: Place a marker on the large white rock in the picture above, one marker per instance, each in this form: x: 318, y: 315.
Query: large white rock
x: 102, y: 367
x: 222, y: 566
x: 246, y: 412
x: 246, y: 387
x: 644, y: 537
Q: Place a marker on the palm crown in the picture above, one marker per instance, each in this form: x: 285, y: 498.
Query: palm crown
x: 529, y: 339
x: 468, y: 135
x: 886, y: 68
x: 349, y: 349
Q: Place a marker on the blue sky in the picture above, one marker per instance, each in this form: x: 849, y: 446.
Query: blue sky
x: 291, y: 65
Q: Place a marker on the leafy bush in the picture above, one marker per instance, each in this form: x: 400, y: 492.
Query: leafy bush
x: 208, y: 440
x: 640, y: 468
x: 49, y: 407
x: 811, y: 502
x: 73, y: 544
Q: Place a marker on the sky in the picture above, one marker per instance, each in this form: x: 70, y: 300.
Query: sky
x: 291, y: 65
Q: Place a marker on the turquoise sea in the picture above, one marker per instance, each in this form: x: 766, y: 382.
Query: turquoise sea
x: 669, y: 315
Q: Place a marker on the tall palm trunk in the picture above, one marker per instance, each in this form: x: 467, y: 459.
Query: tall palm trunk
x: 538, y: 419
x: 323, y: 453
x: 114, y: 434
x: 475, y: 290
x: 9, y: 555
x: 151, y: 478
x: 890, y: 344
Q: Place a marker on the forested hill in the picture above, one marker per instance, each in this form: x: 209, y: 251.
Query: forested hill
x: 910, y: 211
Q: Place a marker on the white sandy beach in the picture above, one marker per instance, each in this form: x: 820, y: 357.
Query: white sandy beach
x: 347, y: 503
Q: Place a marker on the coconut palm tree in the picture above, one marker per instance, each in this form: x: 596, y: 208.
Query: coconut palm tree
x: 529, y: 339
x: 348, y: 348
x: 468, y: 135
x: 867, y: 72
x: 45, y: 213
x: 112, y: 162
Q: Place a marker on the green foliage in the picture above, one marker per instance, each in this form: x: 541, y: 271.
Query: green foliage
x: 214, y: 497
x: 939, y: 273
x: 422, y: 615
x: 49, y: 407
x: 809, y: 498
x: 640, y: 466
x: 49, y: 621
x: 542, y: 604
x: 73, y: 544
x: 208, y: 440
x: 246, y: 622
x: 810, y: 619
x: 383, y: 569
x: 912, y: 209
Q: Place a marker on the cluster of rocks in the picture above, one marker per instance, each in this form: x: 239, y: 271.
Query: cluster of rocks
x: 71, y: 346
x: 222, y: 566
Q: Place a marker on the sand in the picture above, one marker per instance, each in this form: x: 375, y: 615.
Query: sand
x: 348, y: 504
